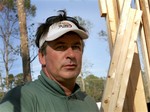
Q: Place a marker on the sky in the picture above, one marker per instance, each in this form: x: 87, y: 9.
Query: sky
x: 96, y: 51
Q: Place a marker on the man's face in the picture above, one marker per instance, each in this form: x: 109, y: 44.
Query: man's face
x: 63, y: 58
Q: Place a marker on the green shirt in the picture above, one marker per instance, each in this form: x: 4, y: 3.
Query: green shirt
x: 45, y: 95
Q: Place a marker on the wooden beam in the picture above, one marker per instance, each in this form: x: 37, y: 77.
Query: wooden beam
x: 144, y: 54
x: 115, y: 57
x: 146, y: 23
x: 112, y: 23
x: 145, y: 62
x: 135, y: 91
x: 109, y: 26
x: 128, y: 61
x: 136, y: 85
x: 102, y: 6
x: 121, y: 60
x: 149, y: 3
x: 120, y: 5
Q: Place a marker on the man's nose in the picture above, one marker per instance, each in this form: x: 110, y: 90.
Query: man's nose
x: 70, y: 52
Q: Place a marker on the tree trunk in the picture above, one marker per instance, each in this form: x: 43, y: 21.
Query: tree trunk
x: 24, y: 41
x: 83, y: 83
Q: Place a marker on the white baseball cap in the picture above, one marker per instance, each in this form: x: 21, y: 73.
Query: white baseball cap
x: 56, y: 30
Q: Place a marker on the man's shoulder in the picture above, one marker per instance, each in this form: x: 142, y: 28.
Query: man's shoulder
x: 13, y: 94
x: 19, y: 97
x: 29, y: 88
x: 17, y: 92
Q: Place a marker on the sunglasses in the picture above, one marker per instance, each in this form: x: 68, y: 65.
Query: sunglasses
x: 54, y: 19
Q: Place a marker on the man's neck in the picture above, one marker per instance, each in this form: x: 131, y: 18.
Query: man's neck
x: 66, y: 85
x: 68, y: 88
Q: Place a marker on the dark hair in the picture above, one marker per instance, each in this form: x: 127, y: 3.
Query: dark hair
x: 44, y: 27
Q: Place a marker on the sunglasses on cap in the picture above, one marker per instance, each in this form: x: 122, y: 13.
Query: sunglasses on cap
x: 54, y: 19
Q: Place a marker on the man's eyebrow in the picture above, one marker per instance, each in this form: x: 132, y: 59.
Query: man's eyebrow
x: 77, y: 43
x: 62, y: 43
x: 59, y: 42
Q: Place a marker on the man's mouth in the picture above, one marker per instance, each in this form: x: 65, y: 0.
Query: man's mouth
x: 70, y: 66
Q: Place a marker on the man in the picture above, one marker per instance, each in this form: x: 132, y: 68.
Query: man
x: 60, y: 43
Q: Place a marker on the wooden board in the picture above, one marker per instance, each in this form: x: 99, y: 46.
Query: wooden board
x: 124, y: 86
x: 103, y: 9
x: 146, y: 23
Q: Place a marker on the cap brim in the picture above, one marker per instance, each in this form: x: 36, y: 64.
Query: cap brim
x: 81, y: 33
x: 58, y: 29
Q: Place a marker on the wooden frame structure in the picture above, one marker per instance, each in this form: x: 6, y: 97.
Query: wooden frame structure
x: 126, y: 20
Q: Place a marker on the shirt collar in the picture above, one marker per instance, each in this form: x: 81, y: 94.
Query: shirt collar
x: 53, y: 87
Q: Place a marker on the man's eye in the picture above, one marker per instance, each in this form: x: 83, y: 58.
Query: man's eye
x: 61, y: 48
x: 76, y: 47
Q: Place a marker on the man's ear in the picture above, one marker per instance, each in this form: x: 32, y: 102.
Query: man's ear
x: 41, y: 58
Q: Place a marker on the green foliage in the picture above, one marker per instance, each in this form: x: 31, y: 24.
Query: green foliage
x: 103, y: 35
x: 27, y: 4
x: 94, y: 86
x: 30, y: 9
x: 19, y: 79
x: 8, y: 3
x: 13, y: 81
x: 84, y: 23
x: 1, y: 95
x: 11, y: 4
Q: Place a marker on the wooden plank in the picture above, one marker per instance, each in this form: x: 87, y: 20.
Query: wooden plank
x: 103, y: 10
x: 140, y: 100
x: 120, y: 5
x: 102, y: 6
x: 146, y: 23
x: 149, y: 3
x: 135, y: 97
x: 146, y: 62
x: 122, y: 59
x: 116, y: 13
x: 109, y: 34
x: 145, y: 57
x: 126, y: 72
x: 137, y: 89
x: 115, y: 57
x: 131, y: 96
x: 112, y: 23
x: 129, y: 100
x: 137, y: 4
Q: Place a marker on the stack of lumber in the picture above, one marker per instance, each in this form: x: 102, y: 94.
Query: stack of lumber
x: 126, y: 20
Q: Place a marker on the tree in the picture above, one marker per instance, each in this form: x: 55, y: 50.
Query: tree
x: 103, y: 35
x: 1, y: 84
x: 11, y: 80
x: 84, y: 23
x: 95, y: 86
x: 84, y: 72
x: 24, y: 41
x: 9, y: 29
x: 19, y: 79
